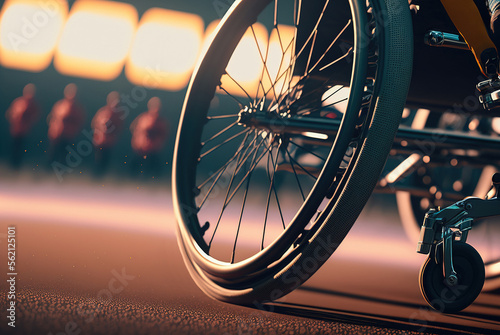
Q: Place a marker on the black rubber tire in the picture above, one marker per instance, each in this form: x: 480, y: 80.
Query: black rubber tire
x: 267, y: 282
x: 470, y: 272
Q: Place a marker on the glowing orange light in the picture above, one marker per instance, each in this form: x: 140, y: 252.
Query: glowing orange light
x: 96, y: 39
x: 29, y: 31
x: 279, y: 60
x: 495, y: 124
x: 165, y: 49
x: 209, y: 34
x: 246, y: 65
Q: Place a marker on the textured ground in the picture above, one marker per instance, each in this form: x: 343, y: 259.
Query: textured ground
x: 88, y: 264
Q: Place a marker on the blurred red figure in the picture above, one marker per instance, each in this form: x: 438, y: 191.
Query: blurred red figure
x: 22, y: 114
x: 107, y: 125
x: 65, y: 123
x: 149, y: 132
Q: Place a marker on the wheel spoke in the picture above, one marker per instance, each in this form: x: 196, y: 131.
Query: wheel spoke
x: 224, y: 142
x: 241, y: 104
x: 306, y: 71
x: 278, y: 75
x: 296, y: 12
x: 313, y: 30
x: 275, y: 13
x: 239, y: 85
x: 296, y: 175
x: 219, y: 133
x: 311, y: 35
x: 222, y: 116
x: 267, y: 203
x: 228, y: 198
x: 272, y: 183
x: 245, y: 157
x: 305, y: 107
x: 226, y: 202
x: 304, y: 169
x: 264, y: 60
x: 253, y: 151
x: 224, y: 166
x: 242, y: 209
x: 291, y: 66
x: 330, y: 46
x: 241, y: 217
x: 264, y: 67
x: 308, y: 150
x: 252, y: 167
x: 222, y: 170
x: 332, y: 104
x: 347, y: 54
x: 314, y: 102
x: 332, y: 94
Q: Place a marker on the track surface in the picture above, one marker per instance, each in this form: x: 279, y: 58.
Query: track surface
x: 103, y: 259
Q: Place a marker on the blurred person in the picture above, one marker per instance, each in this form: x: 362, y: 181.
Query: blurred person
x: 22, y: 114
x: 65, y: 123
x: 107, y: 125
x: 149, y: 132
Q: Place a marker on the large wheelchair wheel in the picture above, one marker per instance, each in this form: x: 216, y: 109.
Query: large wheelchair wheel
x: 286, y: 126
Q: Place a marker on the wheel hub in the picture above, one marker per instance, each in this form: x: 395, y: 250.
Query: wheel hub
x: 255, y: 118
x: 246, y: 117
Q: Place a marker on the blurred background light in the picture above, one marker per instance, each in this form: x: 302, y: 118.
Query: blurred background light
x: 279, y: 61
x: 246, y: 66
x: 209, y: 35
x: 29, y: 32
x: 96, y: 39
x: 336, y: 97
x: 495, y: 124
x: 165, y: 49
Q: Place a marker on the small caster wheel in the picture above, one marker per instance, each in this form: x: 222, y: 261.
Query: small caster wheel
x: 469, y: 267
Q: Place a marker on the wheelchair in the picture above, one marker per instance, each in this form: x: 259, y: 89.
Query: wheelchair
x: 288, y: 122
